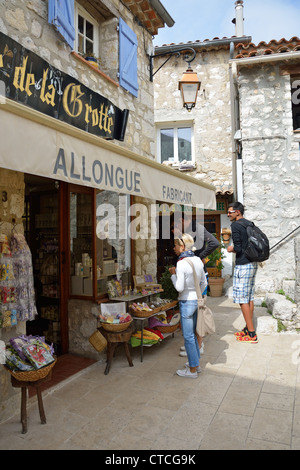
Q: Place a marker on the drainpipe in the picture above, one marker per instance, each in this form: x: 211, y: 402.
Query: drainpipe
x: 235, y: 126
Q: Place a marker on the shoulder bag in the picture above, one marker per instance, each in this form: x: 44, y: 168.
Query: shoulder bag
x: 205, y: 320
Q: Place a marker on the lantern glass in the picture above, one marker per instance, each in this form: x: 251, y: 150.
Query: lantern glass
x: 189, y: 86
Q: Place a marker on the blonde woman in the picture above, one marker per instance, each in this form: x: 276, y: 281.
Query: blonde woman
x: 183, y: 281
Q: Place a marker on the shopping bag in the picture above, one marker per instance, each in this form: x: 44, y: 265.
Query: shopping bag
x: 205, y: 320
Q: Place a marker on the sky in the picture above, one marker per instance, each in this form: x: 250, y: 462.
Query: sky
x: 196, y: 20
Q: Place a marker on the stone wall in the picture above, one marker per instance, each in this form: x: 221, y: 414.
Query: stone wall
x: 211, y: 116
x: 82, y: 321
x: 26, y: 21
x: 270, y: 167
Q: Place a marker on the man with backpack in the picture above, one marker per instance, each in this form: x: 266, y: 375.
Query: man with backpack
x: 244, y: 271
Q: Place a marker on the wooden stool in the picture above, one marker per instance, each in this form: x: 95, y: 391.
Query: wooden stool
x: 113, y: 339
x: 23, y: 385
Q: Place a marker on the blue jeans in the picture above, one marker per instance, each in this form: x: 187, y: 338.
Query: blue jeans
x: 188, y: 317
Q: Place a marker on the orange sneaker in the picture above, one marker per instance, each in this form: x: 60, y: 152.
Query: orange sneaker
x: 247, y: 339
x: 244, y: 332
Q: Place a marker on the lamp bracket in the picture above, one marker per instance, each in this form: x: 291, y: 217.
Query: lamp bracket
x: 176, y: 52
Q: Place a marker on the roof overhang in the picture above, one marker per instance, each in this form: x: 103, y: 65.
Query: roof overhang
x: 151, y: 14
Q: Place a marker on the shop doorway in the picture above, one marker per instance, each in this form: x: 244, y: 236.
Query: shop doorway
x: 165, y: 252
x: 44, y: 229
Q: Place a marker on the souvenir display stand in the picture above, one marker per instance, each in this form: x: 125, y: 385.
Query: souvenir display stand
x: 17, y: 297
x: 167, y: 330
x: 141, y: 313
x: 24, y: 380
x: 117, y: 331
x: 28, y: 359
x: 113, y: 340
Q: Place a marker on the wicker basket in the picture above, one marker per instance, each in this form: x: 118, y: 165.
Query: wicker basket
x: 98, y: 341
x: 168, y: 328
x: 32, y: 375
x: 144, y: 313
x: 115, y: 327
x: 169, y: 305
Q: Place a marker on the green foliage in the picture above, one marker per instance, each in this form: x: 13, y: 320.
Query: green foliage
x: 166, y: 282
x: 215, y: 258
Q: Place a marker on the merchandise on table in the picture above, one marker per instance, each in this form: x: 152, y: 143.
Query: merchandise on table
x: 27, y: 353
x: 115, y: 288
x: 164, y: 319
x: 115, y: 318
x: 149, y: 337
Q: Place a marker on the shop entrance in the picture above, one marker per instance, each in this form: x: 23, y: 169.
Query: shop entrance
x: 165, y: 252
x: 44, y: 228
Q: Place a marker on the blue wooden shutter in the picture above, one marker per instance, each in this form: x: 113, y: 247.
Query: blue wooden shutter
x: 61, y: 15
x: 128, y: 58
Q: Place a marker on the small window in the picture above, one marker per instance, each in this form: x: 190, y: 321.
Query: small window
x: 87, y: 33
x: 295, y: 88
x: 175, y: 144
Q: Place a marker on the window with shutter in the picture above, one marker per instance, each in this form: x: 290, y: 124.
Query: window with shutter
x: 128, y: 58
x: 61, y: 15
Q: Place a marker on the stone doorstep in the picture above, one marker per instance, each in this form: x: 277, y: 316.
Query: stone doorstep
x: 283, y: 309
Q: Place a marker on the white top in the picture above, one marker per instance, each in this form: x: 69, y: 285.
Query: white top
x: 183, y: 280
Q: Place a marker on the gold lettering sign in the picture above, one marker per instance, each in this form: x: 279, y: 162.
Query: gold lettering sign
x: 31, y: 80
x: 72, y: 95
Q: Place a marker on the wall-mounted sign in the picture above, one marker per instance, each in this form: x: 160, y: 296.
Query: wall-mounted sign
x: 33, y: 82
x: 222, y: 206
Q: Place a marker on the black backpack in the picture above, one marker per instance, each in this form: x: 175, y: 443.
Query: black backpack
x: 258, y: 248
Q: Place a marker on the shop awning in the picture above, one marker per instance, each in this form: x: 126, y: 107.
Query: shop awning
x: 34, y: 143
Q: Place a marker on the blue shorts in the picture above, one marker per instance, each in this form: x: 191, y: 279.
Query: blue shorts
x: 244, y: 282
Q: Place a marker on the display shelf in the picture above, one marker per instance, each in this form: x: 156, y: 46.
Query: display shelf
x: 45, y: 254
x: 142, y: 320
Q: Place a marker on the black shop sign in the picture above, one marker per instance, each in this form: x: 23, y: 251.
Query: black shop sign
x: 30, y: 80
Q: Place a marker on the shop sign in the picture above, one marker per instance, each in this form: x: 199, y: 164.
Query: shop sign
x: 221, y: 206
x: 89, y: 161
x: 32, y: 81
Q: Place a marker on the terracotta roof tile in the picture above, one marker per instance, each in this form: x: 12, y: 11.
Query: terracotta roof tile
x: 273, y: 47
x: 146, y: 14
x: 215, y: 43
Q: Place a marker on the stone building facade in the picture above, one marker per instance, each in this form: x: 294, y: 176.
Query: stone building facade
x: 211, y: 117
x: 246, y: 135
x: 210, y: 120
x: 267, y: 148
x: 27, y: 23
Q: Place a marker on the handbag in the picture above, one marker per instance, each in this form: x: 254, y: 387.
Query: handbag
x: 205, y: 320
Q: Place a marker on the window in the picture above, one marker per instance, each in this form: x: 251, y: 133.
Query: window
x: 175, y: 143
x: 295, y: 86
x: 100, y: 247
x: 87, y: 33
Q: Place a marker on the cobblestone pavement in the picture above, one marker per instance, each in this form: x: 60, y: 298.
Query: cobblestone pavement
x: 246, y: 397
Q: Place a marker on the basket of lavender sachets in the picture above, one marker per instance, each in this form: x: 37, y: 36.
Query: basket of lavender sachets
x: 29, y: 358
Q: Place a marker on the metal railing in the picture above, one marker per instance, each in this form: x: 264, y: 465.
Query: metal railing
x: 297, y: 228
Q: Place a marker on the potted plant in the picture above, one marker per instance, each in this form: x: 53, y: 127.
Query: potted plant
x: 92, y: 60
x: 214, y: 267
x: 167, y: 285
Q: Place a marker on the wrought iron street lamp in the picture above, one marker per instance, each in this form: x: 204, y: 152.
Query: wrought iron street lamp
x: 189, y: 85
